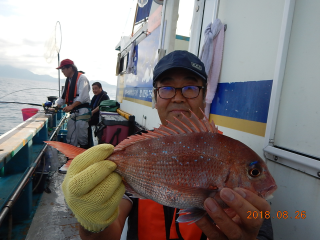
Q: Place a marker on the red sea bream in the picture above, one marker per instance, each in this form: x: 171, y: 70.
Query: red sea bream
x: 183, y: 163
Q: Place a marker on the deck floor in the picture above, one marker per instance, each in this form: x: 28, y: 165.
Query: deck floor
x: 53, y: 219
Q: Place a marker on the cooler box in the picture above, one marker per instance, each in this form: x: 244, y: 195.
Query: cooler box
x: 113, y: 128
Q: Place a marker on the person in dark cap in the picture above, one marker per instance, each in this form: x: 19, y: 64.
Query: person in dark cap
x: 76, y: 96
x: 99, y: 96
x: 179, y: 82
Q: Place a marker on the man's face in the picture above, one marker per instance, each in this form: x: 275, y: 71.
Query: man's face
x: 67, y: 72
x: 96, y: 90
x: 169, y: 108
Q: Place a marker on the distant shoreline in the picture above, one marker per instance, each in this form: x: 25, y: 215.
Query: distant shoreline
x: 10, y: 72
x: 24, y: 79
x: 103, y: 83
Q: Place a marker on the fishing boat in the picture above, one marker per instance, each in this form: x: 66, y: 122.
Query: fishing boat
x: 266, y: 96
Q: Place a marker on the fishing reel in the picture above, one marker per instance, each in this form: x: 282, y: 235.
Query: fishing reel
x: 47, y: 106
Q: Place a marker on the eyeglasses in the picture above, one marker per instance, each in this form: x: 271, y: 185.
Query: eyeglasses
x: 187, y: 91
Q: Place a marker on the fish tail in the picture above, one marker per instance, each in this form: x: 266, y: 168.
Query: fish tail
x: 68, y: 150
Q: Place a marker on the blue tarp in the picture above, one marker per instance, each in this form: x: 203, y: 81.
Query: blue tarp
x: 144, y: 11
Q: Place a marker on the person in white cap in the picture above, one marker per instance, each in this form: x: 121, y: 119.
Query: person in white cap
x: 76, y: 96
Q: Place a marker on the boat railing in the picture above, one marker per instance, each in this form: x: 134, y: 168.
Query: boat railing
x: 21, y: 151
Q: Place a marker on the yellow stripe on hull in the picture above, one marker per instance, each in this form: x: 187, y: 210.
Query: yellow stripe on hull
x: 256, y: 128
x: 142, y: 102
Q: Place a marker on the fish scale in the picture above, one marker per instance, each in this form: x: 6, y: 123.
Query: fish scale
x: 183, y: 163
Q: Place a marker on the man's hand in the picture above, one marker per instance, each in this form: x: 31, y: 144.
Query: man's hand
x: 67, y: 108
x: 92, y: 190
x: 234, y: 223
x: 70, y: 107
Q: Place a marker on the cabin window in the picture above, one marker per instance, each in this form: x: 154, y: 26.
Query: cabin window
x: 123, y: 64
x: 185, y: 13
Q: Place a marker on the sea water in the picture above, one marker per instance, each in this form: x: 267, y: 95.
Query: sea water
x: 26, y: 91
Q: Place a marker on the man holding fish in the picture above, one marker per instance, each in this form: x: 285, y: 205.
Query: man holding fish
x: 95, y: 193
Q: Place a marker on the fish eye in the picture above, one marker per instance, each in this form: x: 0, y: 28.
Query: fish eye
x: 254, y: 172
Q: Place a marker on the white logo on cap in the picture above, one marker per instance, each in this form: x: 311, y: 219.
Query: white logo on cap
x: 197, y: 66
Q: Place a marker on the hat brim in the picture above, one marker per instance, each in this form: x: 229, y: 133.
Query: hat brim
x: 190, y: 69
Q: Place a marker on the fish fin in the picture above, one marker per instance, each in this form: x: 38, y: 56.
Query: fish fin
x: 211, y: 191
x: 211, y: 127
x: 178, y: 126
x: 148, y: 135
x: 192, y: 215
x: 168, y: 130
x: 157, y: 130
x: 156, y: 134
x: 131, y: 140
x: 198, y: 122
x: 182, y: 125
x: 132, y: 191
x: 189, y: 123
x: 136, y: 195
x: 67, y: 149
x: 64, y: 168
x: 175, y: 127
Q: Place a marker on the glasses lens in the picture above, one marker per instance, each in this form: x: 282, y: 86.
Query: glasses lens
x: 166, y: 92
x: 190, y: 91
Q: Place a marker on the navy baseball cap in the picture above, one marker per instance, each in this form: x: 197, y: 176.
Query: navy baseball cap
x: 180, y: 59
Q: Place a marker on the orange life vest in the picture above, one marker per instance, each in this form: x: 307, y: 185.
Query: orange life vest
x: 157, y: 222
x: 75, y: 90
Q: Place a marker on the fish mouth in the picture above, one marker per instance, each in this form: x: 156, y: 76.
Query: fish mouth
x: 265, y: 193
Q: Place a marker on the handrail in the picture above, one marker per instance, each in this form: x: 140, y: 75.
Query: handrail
x: 133, y: 40
x: 9, y: 204
x: 142, y: 20
x: 126, y: 115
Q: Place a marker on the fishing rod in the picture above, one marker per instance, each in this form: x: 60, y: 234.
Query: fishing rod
x: 27, y: 89
x: 33, y: 104
x: 46, y: 106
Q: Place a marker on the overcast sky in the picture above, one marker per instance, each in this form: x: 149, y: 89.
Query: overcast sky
x: 90, y: 32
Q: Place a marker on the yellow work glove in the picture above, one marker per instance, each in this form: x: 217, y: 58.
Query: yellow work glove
x: 92, y: 190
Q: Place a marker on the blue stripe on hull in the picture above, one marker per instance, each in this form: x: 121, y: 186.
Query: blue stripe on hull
x: 243, y: 100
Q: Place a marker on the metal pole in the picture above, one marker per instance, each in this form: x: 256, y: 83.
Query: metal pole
x: 10, y: 226
x: 59, y: 73
x: 162, y: 23
x: 215, y: 10
x: 58, y: 48
x: 143, y: 32
x: 135, y: 17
